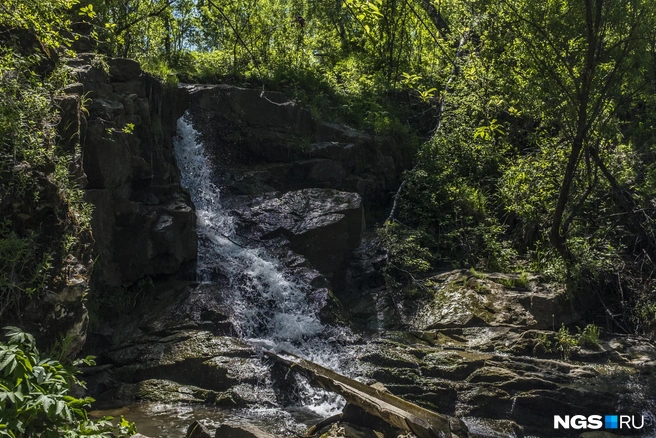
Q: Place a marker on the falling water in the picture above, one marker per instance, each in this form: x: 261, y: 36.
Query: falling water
x: 270, y: 308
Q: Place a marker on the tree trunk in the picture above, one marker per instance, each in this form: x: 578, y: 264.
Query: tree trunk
x: 593, y: 22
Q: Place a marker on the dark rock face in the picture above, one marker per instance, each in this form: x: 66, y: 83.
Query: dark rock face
x: 270, y: 143
x: 143, y: 222
x: 249, y: 126
x: 122, y: 69
x: 323, y: 225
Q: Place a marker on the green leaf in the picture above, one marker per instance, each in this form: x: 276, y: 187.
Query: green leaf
x: 46, y: 402
x: 60, y: 407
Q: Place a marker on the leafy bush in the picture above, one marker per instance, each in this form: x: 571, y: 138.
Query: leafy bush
x: 47, y: 18
x: 407, y: 252
x: 35, y: 399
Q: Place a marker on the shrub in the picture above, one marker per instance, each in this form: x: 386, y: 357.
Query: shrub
x: 35, y: 171
x: 35, y: 399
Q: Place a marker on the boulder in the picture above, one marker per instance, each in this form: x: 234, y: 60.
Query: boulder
x: 123, y: 69
x: 323, y: 225
x: 460, y: 299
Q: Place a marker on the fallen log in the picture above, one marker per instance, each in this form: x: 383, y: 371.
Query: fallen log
x: 395, y: 411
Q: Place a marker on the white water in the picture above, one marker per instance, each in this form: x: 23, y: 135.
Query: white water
x: 270, y: 309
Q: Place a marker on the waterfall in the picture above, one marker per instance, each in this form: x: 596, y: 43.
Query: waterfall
x: 270, y: 309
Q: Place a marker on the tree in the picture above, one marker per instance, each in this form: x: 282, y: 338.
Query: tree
x: 582, y: 53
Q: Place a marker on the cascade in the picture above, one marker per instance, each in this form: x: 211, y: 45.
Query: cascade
x: 269, y: 309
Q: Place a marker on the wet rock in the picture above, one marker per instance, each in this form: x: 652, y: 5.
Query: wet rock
x: 197, y: 430
x: 491, y: 375
x: 240, y: 431
x: 321, y: 224
x: 492, y: 428
x: 166, y: 391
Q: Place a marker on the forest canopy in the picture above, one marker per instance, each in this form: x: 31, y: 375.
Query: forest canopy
x: 532, y: 121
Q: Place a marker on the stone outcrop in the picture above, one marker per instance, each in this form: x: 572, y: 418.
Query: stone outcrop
x: 188, y: 366
x: 117, y: 124
x: 482, y: 347
x: 323, y: 225
x: 143, y: 222
x: 270, y: 143
x: 459, y: 299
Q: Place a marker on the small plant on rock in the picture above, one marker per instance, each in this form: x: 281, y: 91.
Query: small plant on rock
x: 589, y: 336
x: 565, y: 341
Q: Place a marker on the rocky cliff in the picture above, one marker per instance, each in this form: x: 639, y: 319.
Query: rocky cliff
x: 117, y: 122
x: 266, y: 142
x: 143, y: 222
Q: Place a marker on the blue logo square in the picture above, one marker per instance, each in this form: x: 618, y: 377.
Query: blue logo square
x: 610, y: 421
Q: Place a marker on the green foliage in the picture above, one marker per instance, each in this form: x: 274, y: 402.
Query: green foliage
x: 34, y: 168
x: 589, y: 336
x: 544, y: 343
x: 565, y: 341
x: 35, y: 399
x: 46, y: 18
x: 407, y: 256
x: 22, y: 271
x: 520, y: 282
x: 477, y: 274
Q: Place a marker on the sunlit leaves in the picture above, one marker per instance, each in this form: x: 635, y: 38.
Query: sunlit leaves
x: 46, y: 18
x: 34, y: 398
x: 88, y: 11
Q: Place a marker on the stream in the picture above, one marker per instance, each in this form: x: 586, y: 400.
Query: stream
x: 476, y: 350
x: 271, y: 308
